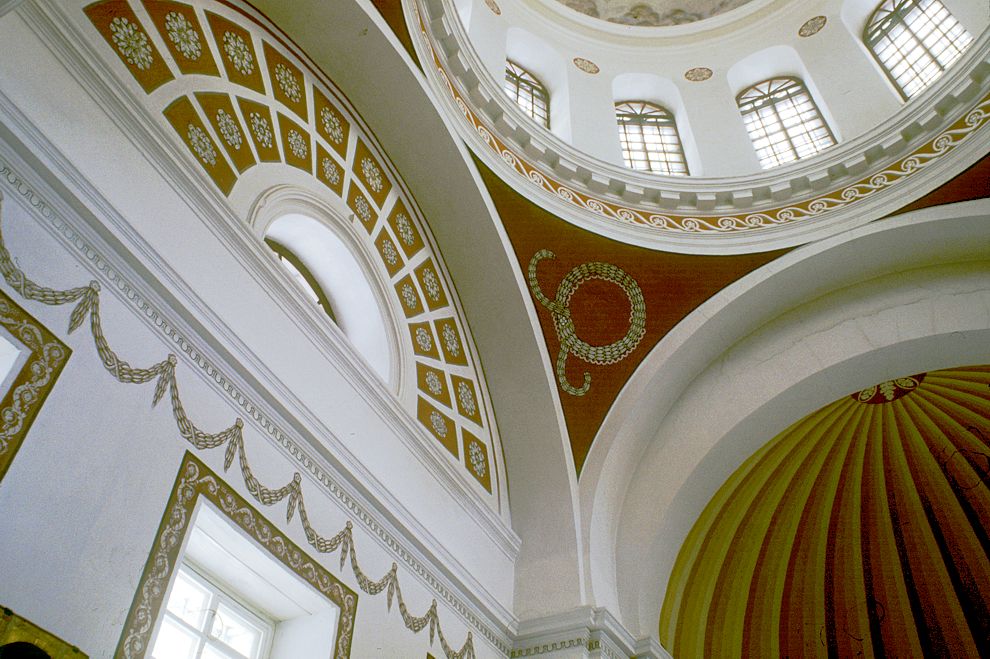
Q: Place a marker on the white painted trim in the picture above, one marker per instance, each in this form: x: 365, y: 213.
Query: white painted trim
x: 7, y: 6
x: 587, y: 627
x: 648, y: 405
x: 188, y: 325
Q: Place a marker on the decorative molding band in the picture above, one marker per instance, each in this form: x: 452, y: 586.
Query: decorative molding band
x: 353, y: 503
x: 87, y: 301
x: 7, y: 6
x: 593, y: 630
x: 27, y: 392
x: 196, y: 480
x: 784, y: 207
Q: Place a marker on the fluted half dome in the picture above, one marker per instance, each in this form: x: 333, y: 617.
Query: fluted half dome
x: 861, y: 530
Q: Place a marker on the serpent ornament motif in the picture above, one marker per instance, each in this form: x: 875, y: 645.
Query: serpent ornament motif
x: 559, y: 308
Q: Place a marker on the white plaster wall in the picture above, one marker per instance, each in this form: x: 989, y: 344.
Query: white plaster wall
x: 84, y: 496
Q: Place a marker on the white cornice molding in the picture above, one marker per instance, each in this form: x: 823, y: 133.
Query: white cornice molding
x: 594, y: 632
x: 174, y: 164
x: 707, y: 198
x: 7, y: 6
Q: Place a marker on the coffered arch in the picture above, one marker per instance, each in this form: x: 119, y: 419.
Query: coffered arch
x: 253, y: 111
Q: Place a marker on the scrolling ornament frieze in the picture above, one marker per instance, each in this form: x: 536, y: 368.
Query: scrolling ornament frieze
x: 655, y: 222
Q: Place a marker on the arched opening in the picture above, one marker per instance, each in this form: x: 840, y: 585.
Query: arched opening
x: 326, y: 264
x: 915, y: 41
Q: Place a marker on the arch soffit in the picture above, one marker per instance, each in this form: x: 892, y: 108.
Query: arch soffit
x: 624, y: 483
x: 283, y: 203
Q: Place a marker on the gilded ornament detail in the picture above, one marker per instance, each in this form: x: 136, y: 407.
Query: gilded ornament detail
x: 183, y: 35
x: 238, y: 53
x: 477, y: 457
x: 698, y: 74
x: 330, y: 171
x: 404, y: 225
x: 570, y: 343
x: 332, y: 126
x: 432, y: 285
x: 132, y: 43
x: 391, y: 256
x: 433, y: 383
x: 450, y: 340
x: 287, y: 82
x: 438, y: 423
x: 201, y: 144
x: 812, y: 26
x: 362, y: 208
x: 466, y: 397
x: 586, y: 65
x: 228, y: 130
x: 890, y: 390
x: 372, y: 175
x: 262, y: 131
x: 409, y: 296
x: 297, y: 144
x: 423, y: 339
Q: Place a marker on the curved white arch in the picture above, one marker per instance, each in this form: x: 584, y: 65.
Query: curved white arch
x: 845, y: 313
x: 776, y: 62
x: 310, y: 225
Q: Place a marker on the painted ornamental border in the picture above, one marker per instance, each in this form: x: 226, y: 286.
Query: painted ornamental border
x: 195, y: 481
x: 856, y: 182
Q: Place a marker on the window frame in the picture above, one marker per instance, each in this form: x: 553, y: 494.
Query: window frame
x: 518, y: 80
x: 650, y: 114
x: 286, y: 254
x: 878, y: 28
x: 220, y: 593
x: 754, y: 104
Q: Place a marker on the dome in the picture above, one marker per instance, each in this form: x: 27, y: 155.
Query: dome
x: 652, y: 13
x: 754, y: 182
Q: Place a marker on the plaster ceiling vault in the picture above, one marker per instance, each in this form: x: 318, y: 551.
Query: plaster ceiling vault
x: 652, y: 13
x: 859, y: 530
x: 629, y: 383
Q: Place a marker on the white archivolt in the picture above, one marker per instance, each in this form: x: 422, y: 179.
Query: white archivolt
x: 873, y: 304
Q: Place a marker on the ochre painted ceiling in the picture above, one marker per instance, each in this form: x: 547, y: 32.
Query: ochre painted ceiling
x: 672, y: 286
x: 861, y: 530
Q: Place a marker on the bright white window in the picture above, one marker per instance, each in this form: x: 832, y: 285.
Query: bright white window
x: 230, y: 599
x: 331, y: 270
x: 202, y: 620
x: 528, y: 92
x: 649, y: 138
x: 783, y: 121
x: 915, y: 41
